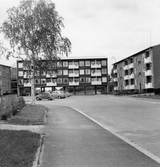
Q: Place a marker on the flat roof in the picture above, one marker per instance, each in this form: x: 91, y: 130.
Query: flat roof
x: 83, y: 57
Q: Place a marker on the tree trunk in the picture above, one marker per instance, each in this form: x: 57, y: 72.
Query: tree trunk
x: 32, y: 84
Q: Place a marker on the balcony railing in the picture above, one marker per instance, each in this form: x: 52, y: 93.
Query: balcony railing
x: 73, y: 74
x: 131, y: 76
x: 96, y: 74
x: 148, y: 85
x: 126, y: 77
x: 27, y: 84
x: 148, y: 72
x: 95, y: 65
x: 73, y: 83
x: 73, y: 66
x: 148, y: 59
x: 96, y: 82
x: 116, y: 88
x: 131, y: 86
x: 126, y: 67
x: 115, y: 71
x: 115, y: 79
x: 51, y: 84
x: 131, y: 65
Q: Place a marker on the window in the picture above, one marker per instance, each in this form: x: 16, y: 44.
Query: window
x: 104, y: 71
x: 81, y: 72
x: 20, y: 82
x: 139, y: 74
x: 65, y: 64
x: 20, y: 73
x: 54, y: 80
x: 59, y: 80
x: 48, y: 80
x: 59, y: 72
x: 139, y: 62
x: 87, y: 63
x: 65, y: 72
x: 7, y: 70
x: 98, y: 62
x: 0, y: 81
x: 37, y: 81
x: 88, y: 71
x: 82, y: 80
x: 43, y: 81
x: 88, y: 79
x: 104, y: 79
x: 20, y: 65
x: 59, y: 64
x: 26, y: 81
x: 0, y: 73
x: 65, y: 80
x: 81, y: 63
x: 104, y: 62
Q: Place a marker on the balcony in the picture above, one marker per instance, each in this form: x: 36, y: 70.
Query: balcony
x: 148, y: 85
x: 126, y: 77
x: 73, y: 66
x: 131, y: 86
x: 148, y: 73
x: 27, y: 84
x: 73, y: 74
x: 127, y: 87
x: 115, y: 71
x: 131, y: 76
x: 115, y: 79
x: 131, y: 65
x: 51, y: 84
x: 116, y: 88
x: 126, y: 67
x: 73, y: 83
x: 96, y: 74
x: 94, y: 65
x: 148, y: 59
x: 96, y: 82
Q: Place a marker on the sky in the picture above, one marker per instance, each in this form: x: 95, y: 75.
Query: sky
x: 112, y: 28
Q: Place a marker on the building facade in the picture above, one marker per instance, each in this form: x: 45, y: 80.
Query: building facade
x: 139, y: 72
x: 14, y: 80
x: 71, y: 72
x: 5, y: 79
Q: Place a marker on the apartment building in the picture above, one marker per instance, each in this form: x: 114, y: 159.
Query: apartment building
x: 139, y: 72
x: 71, y: 72
x: 5, y: 79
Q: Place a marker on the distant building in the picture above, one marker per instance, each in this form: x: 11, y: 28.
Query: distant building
x: 5, y: 79
x: 139, y: 72
x: 14, y: 80
x: 72, y: 72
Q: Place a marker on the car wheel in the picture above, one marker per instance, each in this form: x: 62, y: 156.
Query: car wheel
x: 49, y: 98
x: 37, y: 98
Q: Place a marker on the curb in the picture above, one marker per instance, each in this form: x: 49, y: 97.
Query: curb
x: 36, y: 162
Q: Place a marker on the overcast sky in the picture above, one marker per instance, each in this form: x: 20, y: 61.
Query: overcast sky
x: 114, y: 28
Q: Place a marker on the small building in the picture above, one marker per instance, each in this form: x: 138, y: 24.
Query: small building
x: 72, y: 72
x: 139, y: 72
x: 5, y: 79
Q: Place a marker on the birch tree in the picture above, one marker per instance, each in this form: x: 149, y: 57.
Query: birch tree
x: 33, y: 30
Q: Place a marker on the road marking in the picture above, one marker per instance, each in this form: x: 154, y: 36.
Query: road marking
x: 141, y: 149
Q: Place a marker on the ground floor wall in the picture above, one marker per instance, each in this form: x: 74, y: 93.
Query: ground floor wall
x: 76, y: 90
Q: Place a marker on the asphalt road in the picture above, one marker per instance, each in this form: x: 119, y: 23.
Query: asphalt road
x: 73, y: 140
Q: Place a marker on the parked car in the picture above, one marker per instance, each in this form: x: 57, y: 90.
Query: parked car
x: 67, y: 94
x: 58, y: 94
x: 45, y: 95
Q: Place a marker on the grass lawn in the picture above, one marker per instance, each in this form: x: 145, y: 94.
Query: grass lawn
x: 18, y: 148
x: 29, y: 115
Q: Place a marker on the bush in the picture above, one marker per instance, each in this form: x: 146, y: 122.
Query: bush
x: 11, y: 105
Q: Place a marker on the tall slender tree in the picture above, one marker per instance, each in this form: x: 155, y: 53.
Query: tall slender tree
x: 33, y: 30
